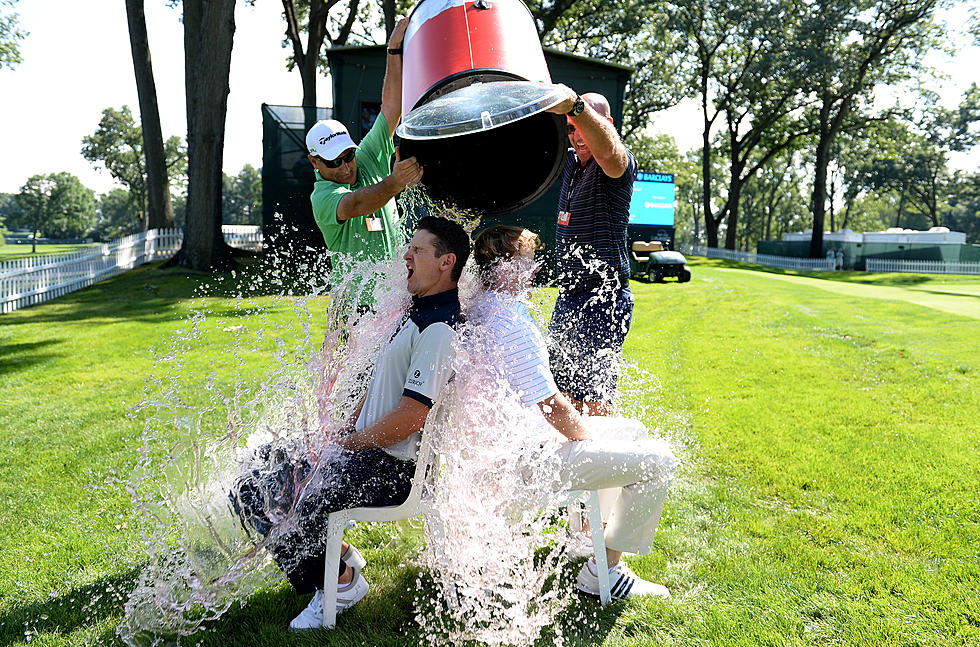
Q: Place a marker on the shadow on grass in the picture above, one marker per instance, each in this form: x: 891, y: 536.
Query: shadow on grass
x: 951, y: 294
x: 386, y: 617
x: 68, y: 611
x: 26, y: 354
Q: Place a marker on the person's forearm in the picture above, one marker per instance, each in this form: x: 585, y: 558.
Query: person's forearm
x: 394, y: 427
x: 603, y: 141
x: 391, y: 88
x: 561, y: 415
x: 391, y: 92
x: 368, y: 199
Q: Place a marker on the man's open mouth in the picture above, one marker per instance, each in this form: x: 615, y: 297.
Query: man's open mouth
x: 411, y: 271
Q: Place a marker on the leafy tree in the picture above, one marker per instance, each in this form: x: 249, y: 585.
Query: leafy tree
x: 118, y: 144
x: 314, y: 19
x: 57, y: 205
x: 964, y: 203
x: 159, y: 209
x: 772, y: 202
x: 10, y: 36
x: 242, y: 196
x: 745, y: 68
x: 853, y: 46
x: 8, y: 204
x: 634, y: 31
x: 117, y: 216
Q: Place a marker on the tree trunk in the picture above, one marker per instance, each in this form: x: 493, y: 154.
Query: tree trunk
x: 901, y: 207
x: 694, y: 217
x: 388, y: 7
x: 710, y: 224
x: 833, y: 188
x: 209, y: 29
x: 819, y: 198
x: 734, y: 196
x: 159, y: 209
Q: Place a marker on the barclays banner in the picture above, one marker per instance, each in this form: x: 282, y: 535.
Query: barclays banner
x: 653, y: 199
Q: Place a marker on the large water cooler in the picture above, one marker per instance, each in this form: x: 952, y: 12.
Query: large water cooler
x: 475, y: 90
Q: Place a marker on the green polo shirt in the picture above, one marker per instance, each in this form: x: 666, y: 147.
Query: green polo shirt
x: 351, y: 237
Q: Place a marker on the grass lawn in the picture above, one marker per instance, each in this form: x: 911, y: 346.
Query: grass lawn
x: 829, y: 493
x: 13, y: 252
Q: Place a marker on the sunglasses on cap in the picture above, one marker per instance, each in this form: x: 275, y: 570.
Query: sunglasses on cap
x: 343, y: 159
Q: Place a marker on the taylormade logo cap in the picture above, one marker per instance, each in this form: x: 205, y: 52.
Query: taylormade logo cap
x: 328, y: 138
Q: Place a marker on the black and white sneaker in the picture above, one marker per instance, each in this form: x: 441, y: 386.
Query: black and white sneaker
x: 347, y: 596
x: 623, y: 583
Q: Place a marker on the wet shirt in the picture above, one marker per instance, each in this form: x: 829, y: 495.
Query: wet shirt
x: 372, y: 237
x: 522, y: 357
x: 593, y: 211
x: 417, y: 363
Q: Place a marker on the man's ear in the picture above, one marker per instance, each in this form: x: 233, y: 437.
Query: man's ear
x: 448, y: 262
x: 312, y: 160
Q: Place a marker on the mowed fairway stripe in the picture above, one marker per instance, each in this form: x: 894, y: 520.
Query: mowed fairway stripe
x: 960, y: 299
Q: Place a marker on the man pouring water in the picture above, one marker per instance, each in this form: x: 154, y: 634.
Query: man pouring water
x: 353, y: 196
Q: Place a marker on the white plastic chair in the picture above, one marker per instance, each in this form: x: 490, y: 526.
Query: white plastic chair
x: 426, y: 474
x: 426, y: 467
x: 573, y: 497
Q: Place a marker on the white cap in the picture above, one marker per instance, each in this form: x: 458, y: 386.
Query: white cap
x: 328, y: 138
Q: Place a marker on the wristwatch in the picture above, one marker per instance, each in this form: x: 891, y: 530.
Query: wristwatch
x: 577, y: 108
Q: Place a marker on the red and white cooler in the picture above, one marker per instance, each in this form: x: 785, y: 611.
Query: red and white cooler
x: 475, y: 88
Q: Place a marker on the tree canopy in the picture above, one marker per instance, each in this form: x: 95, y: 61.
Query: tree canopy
x: 10, y: 35
x: 117, y: 144
x: 57, y: 205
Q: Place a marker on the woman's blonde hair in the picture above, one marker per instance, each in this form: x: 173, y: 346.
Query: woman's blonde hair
x: 500, y: 243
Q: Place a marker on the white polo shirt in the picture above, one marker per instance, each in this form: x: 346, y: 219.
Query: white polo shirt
x: 417, y: 363
x: 522, y: 359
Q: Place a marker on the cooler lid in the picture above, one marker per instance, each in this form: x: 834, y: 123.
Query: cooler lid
x: 479, y: 106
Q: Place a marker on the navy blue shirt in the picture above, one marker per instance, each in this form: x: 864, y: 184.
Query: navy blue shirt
x: 593, y: 210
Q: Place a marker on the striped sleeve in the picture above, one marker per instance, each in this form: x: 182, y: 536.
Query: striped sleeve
x: 525, y: 362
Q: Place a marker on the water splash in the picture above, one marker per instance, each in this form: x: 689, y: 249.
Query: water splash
x: 293, y: 369
x: 282, y: 382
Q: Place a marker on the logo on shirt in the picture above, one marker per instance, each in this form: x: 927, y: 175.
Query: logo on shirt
x: 564, y: 217
x: 417, y: 374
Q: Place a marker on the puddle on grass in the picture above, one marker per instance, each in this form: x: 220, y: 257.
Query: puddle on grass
x: 285, y: 372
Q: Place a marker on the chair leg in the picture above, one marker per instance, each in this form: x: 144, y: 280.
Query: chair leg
x: 599, y: 544
x: 336, y: 522
x: 437, y: 534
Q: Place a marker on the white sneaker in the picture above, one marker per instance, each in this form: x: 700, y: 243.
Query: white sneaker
x: 623, y: 583
x: 347, y: 596
x: 312, y: 616
x: 353, y: 558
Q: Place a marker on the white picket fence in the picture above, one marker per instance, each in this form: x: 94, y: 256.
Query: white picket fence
x: 243, y: 236
x: 28, y: 281
x: 921, y: 267
x: 769, y: 260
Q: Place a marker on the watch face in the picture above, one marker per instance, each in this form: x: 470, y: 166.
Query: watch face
x: 578, y: 108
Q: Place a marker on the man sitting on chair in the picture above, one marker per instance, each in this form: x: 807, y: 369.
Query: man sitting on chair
x: 643, y: 469
x: 374, y: 464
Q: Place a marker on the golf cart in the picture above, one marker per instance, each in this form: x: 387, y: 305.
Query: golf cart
x: 656, y: 263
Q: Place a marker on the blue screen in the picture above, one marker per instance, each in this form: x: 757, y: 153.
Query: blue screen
x: 653, y: 199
